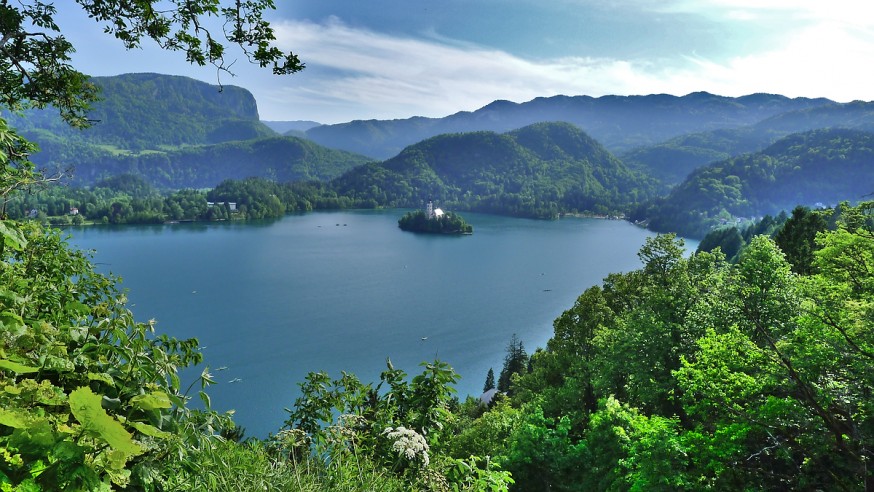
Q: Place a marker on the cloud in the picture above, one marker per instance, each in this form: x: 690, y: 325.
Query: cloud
x: 361, y: 74
x: 847, y: 12
x: 389, y: 76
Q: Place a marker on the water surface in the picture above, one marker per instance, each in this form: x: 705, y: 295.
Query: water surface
x: 341, y: 291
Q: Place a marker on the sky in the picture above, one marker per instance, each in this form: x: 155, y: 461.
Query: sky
x: 392, y: 59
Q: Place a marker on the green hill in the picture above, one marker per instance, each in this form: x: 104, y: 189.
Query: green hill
x: 540, y: 171
x: 152, y: 111
x: 820, y: 167
x: 175, y: 132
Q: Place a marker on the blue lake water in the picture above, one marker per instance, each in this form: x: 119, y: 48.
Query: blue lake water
x: 341, y: 291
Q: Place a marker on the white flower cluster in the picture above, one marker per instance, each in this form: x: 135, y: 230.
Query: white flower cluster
x: 346, y: 429
x: 291, y: 438
x: 408, y: 443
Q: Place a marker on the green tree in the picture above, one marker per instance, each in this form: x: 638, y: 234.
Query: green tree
x: 515, y: 362
x: 490, y: 381
x: 797, y: 238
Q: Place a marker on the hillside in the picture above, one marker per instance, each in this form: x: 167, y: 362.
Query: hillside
x: 618, y: 122
x: 673, y: 160
x: 177, y: 132
x: 540, y: 171
x: 276, y: 158
x: 820, y: 167
x: 150, y: 111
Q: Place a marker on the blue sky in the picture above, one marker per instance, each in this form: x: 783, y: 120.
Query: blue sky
x: 385, y: 59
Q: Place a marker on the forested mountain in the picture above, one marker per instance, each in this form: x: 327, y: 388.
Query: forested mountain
x: 618, y: 122
x: 278, y: 158
x: 820, y: 167
x: 673, y: 160
x: 176, y: 132
x: 539, y: 171
x: 149, y: 111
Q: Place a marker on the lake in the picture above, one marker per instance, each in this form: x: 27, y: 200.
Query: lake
x: 342, y: 291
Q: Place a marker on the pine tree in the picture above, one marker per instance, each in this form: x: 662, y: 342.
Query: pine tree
x: 490, y: 381
x: 515, y: 362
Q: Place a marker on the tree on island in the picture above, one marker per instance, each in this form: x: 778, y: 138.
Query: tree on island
x: 447, y: 223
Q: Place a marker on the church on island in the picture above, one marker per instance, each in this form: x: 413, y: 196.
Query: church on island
x: 431, y: 212
x: 434, y: 220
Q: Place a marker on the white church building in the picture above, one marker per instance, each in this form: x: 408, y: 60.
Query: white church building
x: 431, y: 212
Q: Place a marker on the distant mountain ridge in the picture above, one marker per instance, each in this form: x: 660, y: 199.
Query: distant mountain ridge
x: 673, y: 160
x: 618, y: 122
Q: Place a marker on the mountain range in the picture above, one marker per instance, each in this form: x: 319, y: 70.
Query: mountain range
x: 620, y: 123
x: 701, y: 152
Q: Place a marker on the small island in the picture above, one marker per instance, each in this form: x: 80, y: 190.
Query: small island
x: 435, y: 221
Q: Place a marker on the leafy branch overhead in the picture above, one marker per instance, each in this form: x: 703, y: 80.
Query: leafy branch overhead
x: 35, y: 55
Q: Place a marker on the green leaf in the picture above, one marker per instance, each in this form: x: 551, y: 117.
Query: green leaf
x: 149, y: 430
x: 12, y: 323
x: 17, y: 368
x: 12, y: 390
x: 76, y: 307
x: 68, y: 451
x: 151, y: 401
x: 12, y: 236
x: 205, y: 399
x: 85, y: 406
x: 14, y: 418
x: 101, y: 376
x: 28, y: 485
x: 59, y: 364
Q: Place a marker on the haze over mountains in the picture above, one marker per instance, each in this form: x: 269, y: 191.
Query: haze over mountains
x: 608, y: 154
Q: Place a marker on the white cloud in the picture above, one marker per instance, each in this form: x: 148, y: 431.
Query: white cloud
x: 387, y: 76
x: 858, y: 13
x: 361, y: 74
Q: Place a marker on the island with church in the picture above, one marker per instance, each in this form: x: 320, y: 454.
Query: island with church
x: 434, y: 220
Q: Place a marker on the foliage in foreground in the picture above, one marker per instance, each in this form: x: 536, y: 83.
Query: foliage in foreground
x: 698, y: 374
x: 90, y: 396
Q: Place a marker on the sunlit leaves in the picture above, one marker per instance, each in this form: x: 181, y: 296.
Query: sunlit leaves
x: 86, y: 407
x: 151, y: 401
